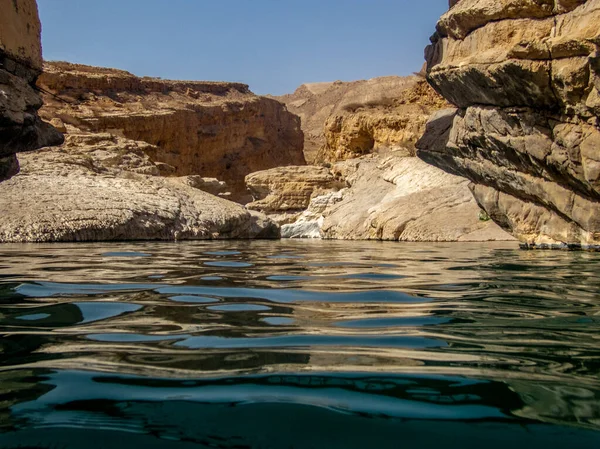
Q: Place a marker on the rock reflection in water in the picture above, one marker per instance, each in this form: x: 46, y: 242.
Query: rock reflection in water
x: 193, y: 342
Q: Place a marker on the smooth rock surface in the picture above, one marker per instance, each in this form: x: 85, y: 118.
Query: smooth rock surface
x: 374, y: 198
x: 404, y: 199
x: 524, y: 76
x: 103, y: 187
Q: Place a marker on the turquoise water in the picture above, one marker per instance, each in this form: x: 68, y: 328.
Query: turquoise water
x: 298, y: 344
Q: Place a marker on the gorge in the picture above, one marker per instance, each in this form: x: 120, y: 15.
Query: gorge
x: 508, y: 99
x: 188, y: 264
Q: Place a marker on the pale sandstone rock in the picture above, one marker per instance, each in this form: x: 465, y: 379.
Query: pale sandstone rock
x: 381, y: 126
x: 20, y: 64
x: 209, y: 185
x: 525, y: 77
x: 404, y: 199
x: 285, y: 192
x: 21, y: 32
x: 309, y: 224
x: 103, y: 187
x: 361, y: 116
x: 387, y: 198
x: 208, y: 129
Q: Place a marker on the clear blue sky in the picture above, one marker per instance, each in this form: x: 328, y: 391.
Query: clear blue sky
x: 272, y: 45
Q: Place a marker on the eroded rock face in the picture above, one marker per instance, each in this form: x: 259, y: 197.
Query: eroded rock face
x: 524, y: 76
x: 103, y: 187
x: 285, y: 192
x: 343, y: 120
x: 391, y: 123
x: 209, y: 129
x: 374, y: 198
x: 20, y: 64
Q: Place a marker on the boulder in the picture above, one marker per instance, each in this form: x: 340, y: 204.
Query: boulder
x: 388, y: 197
x: 285, y: 192
x: 404, y: 199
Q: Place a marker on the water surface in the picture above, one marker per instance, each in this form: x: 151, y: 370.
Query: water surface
x: 298, y: 344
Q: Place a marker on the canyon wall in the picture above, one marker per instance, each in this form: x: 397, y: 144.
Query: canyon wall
x: 342, y: 120
x: 212, y: 129
x: 20, y: 64
x: 524, y: 76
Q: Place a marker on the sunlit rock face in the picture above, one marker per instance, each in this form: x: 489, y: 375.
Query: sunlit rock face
x: 286, y: 192
x: 345, y: 120
x: 100, y: 187
x: 20, y: 64
x: 375, y: 197
x: 211, y: 129
x: 524, y: 76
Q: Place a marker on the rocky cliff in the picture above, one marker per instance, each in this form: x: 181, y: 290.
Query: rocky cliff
x: 20, y: 64
x: 342, y: 120
x: 212, y: 129
x: 525, y: 78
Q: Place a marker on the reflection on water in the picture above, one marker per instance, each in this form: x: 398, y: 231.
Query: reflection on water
x: 298, y: 345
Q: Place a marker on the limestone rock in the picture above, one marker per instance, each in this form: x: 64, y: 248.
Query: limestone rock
x: 285, y: 192
x: 361, y: 116
x: 404, y: 199
x: 207, y: 129
x: 374, y: 198
x: 20, y: 32
x: 103, y: 187
x: 309, y: 224
x: 20, y: 64
x: 392, y: 124
x: 209, y: 185
x: 525, y: 78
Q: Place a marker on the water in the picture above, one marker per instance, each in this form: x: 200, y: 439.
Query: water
x: 298, y: 344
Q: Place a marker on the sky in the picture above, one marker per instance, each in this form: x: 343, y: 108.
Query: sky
x: 272, y: 45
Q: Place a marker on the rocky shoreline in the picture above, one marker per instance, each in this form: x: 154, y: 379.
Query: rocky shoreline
x: 99, y: 187
x: 377, y: 197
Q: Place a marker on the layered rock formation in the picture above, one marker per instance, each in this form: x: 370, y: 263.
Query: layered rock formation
x: 375, y: 198
x: 525, y: 77
x: 211, y: 129
x: 342, y: 120
x: 102, y: 187
x: 285, y: 192
x: 20, y: 64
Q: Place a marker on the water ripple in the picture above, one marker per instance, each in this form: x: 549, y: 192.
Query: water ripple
x: 111, y: 336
